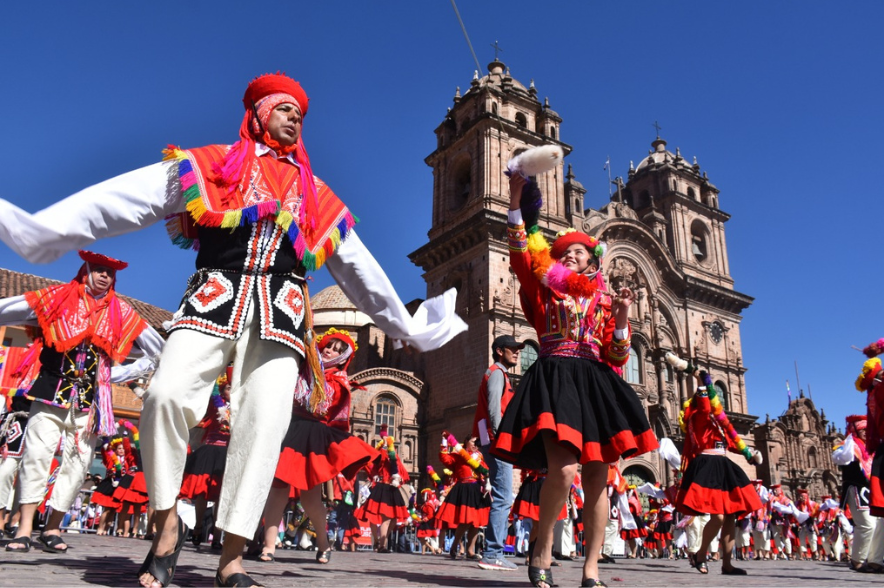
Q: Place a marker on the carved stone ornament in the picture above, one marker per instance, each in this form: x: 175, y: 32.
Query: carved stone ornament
x: 622, y: 273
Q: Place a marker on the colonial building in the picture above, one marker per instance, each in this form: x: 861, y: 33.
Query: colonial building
x: 797, y: 450
x: 14, y: 339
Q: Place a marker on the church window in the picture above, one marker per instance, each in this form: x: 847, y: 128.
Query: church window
x: 494, y: 107
x: 667, y: 373
x: 699, y: 241
x: 722, y: 393
x: 527, y: 357
x: 552, y: 132
x: 811, y: 457
x: 692, y: 194
x: 521, y: 120
x: 632, y: 371
x: 462, y: 183
x: 385, y: 414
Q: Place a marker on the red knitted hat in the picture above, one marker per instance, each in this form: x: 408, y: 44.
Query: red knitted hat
x: 277, y: 83
x: 572, y: 237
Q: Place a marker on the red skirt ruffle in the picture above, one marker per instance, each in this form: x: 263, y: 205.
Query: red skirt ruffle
x: 313, y: 453
x: 132, y: 488
x: 103, y: 495
x: 465, y: 504
x: 527, y: 501
x: 204, y: 472
x: 713, y: 484
x: 427, y: 529
x: 384, y: 503
x: 876, y: 484
x: 633, y: 533
x: 591, y: 411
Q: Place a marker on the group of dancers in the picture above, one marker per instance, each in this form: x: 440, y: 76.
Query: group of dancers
x: 278, y: 425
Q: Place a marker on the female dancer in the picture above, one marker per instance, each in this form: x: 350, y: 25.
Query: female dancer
x: 527, y: 505
x: 571, y: 407
x: 204, y: 468
x: 428, y: 530
x: 103, y: 495
x: 636, y: 511
x: 318, y: 444
x: 713, y: 484
x: 468, y: 504
x: 385, y: 503
x: 132, y: 490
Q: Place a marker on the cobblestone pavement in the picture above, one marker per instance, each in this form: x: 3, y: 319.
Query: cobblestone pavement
x: 110, y: 561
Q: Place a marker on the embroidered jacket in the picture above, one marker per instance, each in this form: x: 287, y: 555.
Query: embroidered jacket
x: 253, y: 245
x: 565, y: 325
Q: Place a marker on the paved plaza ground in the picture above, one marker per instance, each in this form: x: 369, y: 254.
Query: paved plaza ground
x: 110, y: 561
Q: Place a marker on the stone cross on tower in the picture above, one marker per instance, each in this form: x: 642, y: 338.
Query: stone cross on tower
x: 497, y: 50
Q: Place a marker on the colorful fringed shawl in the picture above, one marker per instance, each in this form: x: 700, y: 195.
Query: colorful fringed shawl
x: 272, y: 190
x: 69, y: 316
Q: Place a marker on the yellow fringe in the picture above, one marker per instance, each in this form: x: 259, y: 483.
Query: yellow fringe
x: 537, y: 242
x: 231, y: 219
x: 284, y: 219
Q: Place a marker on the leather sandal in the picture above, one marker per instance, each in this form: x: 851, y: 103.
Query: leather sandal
x: 591, y: 583
x: 26, y: 541
x: 235, y: 581
x: 162, y: 568
x: 324, y: 557
x: 51, y: 543
x: 540, y: 577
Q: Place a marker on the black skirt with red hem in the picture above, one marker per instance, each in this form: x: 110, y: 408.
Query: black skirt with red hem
x: 204, y: 472
x: 876, y: 484
x: 465, y: 504
x: 427, y: 530
x: 591, y: 411
x: 527, y: 501
x: 313, y: 452
x: 127, y: 490
x: 384, y: 503
x: 103, y: 495
x: 713, y: 484
x: 627, y: 534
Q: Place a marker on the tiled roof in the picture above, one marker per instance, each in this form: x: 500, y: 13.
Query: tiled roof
x: 15, y: 284
x: 331, y: 298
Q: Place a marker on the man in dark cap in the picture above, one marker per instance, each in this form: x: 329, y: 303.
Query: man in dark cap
x: 495, y: 392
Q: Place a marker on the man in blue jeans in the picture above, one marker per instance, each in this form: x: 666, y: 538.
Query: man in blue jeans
x: 495, y: 393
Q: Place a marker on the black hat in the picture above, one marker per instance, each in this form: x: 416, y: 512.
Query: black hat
x: 508, y: 342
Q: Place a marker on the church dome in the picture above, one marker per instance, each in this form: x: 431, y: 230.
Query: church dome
x: 659, y: 155
x: 331, y: 298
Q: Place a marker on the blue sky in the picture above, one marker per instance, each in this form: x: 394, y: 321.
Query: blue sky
x: 779, y: 101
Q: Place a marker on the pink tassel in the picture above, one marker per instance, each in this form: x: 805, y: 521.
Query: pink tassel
x: 556, y: 277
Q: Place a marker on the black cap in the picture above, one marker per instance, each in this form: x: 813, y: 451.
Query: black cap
x: 508, y: 342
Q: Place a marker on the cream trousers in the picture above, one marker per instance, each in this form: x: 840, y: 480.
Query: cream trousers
x: 8, y: 469
x: 695, y: 532
x: 264, y: 375
x: 46, y: 426
x: 868, y: 532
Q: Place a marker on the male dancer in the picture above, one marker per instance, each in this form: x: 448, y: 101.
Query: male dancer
x: 84, y: 327
x: 260, y: 220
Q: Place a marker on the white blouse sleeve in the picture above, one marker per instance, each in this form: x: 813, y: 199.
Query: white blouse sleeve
x: 149, y: 345
x: 364, y: 282
x: 16, y: 311
x: 116, y: 206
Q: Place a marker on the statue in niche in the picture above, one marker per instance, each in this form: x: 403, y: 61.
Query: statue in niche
x: 622, y: 273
